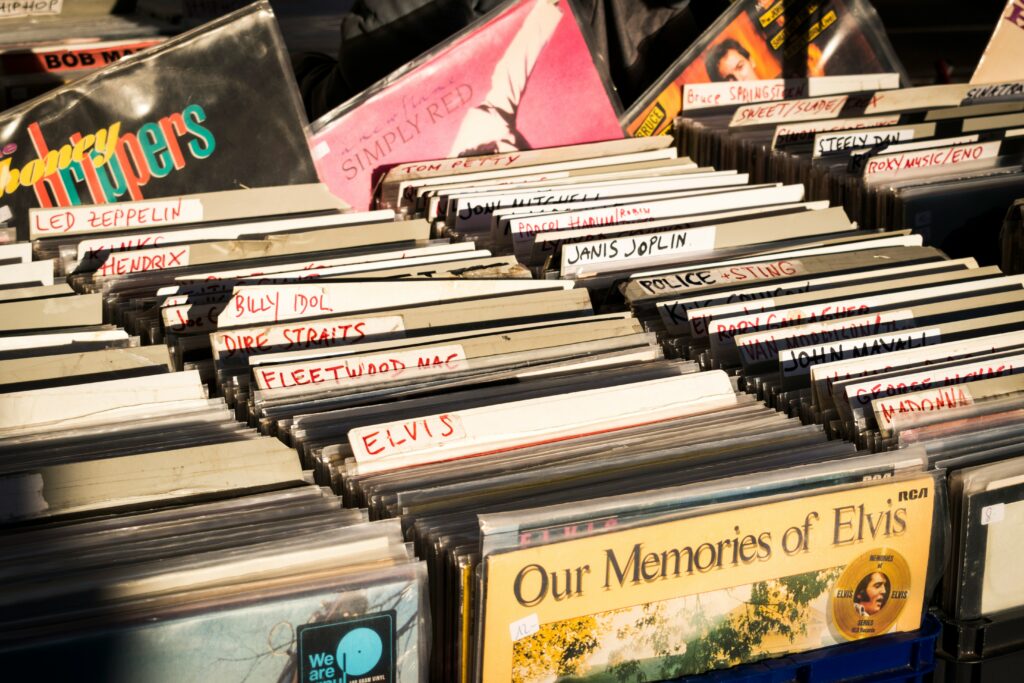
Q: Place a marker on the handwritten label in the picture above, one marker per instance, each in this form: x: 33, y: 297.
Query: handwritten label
x: 811, y: 109
x: 798, y: 362
x: 406, y: 436
x: 318, y: 334
x: 23, y: 8
x: 123, y: 263
x: 797, y: 133
x: 699, y: 279
x: 908, y: 164
x: 756, y: 347
x: 524, y: 628
x: 865, y: 392
x: 832, y: 143
x: 930, y: 401
x: 704, y: 95
x: 62, y: 60
x: 993, y: 514
x: 672, y: 242
x: 728, y: 328
x: 366, y: 369
x: 523, y: 228
x: 101, y: 217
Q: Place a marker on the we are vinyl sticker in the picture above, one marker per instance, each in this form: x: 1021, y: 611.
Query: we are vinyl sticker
x: 358, y: 650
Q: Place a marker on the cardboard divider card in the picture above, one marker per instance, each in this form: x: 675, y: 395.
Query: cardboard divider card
x: 48, y: 406
x: 915, y: 164
x: 856, y: 301
x: 708, y: 95
x: 693, y: 314
x: 474, y: 214
x: 652, y: 210
x: 336, y: 332
x: 472, y: 432
x: 778, y: 266
x: 196, y: 208
x: 251, y: 305
x: 30, y: 272
x: 428, y: 357
x: 536, y: 249
x: 579, y: 256
x: 396, y: 181
x: 96, y: 247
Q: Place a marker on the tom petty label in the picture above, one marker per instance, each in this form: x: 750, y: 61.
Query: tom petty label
x: 360, y: 650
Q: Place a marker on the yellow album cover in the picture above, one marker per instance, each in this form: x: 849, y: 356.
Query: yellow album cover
x: 710, y: 591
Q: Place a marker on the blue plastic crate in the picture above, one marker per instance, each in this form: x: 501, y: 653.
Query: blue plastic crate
x: 888, y: 659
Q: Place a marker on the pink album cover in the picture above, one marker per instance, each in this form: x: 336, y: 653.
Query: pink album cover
x: 522, y: 77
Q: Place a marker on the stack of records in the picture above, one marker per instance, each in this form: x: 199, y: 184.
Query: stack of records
x: 944, y: 160
x: 149, y: 535
x: 979, y: 446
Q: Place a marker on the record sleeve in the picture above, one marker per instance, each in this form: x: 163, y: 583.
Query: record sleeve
x: 761, y: 39
x: 492, y: 88
x: 778, y: 576
x: 197, y: 119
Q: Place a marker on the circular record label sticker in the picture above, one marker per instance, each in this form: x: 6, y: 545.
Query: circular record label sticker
x: 870, y: 594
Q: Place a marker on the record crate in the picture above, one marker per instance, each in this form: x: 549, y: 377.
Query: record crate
x: 987, y: 650
x: 894, y: 658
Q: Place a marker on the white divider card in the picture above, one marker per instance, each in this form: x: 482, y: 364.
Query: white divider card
x: 833, y: 143
x: 583, y: 257
x: 693, y: 314
x: 32, y: 341
x: 732, y: 93
x: 31, y: 272
x: 647, y: 250
x: 154, y: 259
x: 798, y: 362
x: 51, y: 406
x: 144, y: 260
x: 94, y: 246
x: 380, y: 258
x: 860, y: 396
x: 474, y: 212
x: 502, y: 219
x: 30, y: 8
x: 898, y: 240
x: 254, y: 305
x: 826, y: 375
x: 803, y: 132
x: 397, y: 179
x: 489, y: 429
x: 897, y: 166
x: 724, y: 329
x: 405, y: 188
x: 758, y: 348
x: 321, y: 333
x: 807, y: 109
x: 228, y: 205
x: 440, y: 200
x: 366, y: 369
x: 652, y: 210
x: 120, y: 216
x: 752, y: 270
x: 933, y: 96
x: 921, y: 401
x: 536, y: 248
x: 18, y: 251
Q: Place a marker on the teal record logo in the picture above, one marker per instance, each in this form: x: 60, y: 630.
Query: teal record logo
x: 356, y: 650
